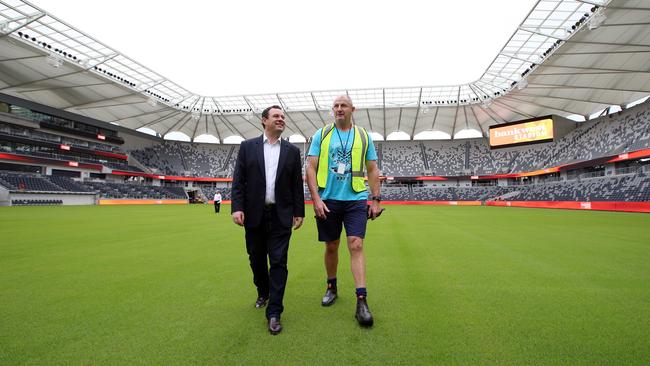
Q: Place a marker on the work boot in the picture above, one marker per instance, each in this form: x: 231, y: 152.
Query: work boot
x: 363, y: 315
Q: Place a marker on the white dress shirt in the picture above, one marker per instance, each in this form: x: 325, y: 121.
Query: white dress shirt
x: 271, y: 157
x: 217, y: 197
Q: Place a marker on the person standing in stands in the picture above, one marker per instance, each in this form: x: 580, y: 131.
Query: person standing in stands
x: 217, y: 201
x: 268, y: 199
x: 338, y: 155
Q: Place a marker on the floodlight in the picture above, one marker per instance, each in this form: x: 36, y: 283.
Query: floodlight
x: 597, y: 19
x: 54, y: 60
x: 522, y: 84
x: 4, y: 27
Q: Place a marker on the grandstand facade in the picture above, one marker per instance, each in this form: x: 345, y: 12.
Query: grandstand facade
x: 51, y: 157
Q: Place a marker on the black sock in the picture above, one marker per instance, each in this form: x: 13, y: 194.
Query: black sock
x: 331, y: 283
x: 361, y: 291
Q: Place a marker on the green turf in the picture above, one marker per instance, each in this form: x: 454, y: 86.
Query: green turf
x: 166, y: 285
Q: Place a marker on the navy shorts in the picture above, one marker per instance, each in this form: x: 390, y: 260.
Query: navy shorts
x: 352, y: 214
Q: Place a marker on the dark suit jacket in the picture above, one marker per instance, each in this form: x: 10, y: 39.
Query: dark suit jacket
x: 249, y: 183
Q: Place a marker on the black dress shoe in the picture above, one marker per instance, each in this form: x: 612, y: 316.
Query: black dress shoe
x: 330, y: 296
x: 363, y: 315
x: 261, y: 302
x: 275, y: 327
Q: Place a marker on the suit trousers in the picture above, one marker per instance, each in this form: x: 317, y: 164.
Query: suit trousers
x: 269, y: 239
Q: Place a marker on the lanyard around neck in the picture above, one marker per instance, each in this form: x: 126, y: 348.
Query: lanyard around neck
x: 345, y: 146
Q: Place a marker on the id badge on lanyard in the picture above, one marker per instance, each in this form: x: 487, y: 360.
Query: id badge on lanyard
x: 340, y: 169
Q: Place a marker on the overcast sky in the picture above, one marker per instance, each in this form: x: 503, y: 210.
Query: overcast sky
x: 217, y: 48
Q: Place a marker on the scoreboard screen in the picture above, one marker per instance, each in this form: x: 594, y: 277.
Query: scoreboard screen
x: 526, y: 132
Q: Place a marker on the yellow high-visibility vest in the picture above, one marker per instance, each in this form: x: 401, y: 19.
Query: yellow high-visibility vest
x: 359, y: 149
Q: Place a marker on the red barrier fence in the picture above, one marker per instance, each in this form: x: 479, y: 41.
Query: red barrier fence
x: 570, y: 205
x: 439, y: 203
x: 577, y: 205
x: 127, y: 201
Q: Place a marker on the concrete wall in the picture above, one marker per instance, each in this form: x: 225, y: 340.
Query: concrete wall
x: 4, y: 197
x: 562, y: 126
x: 138, y: 140
x: 67, y: 198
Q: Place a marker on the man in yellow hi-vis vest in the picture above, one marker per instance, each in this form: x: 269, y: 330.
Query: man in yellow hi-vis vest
x: 337, y: 159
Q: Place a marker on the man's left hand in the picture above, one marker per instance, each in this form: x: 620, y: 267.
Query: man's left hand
x: 297, y: 222
x: 375, y: 210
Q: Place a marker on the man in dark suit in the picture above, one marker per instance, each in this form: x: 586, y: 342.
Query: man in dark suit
x: 268, y: 199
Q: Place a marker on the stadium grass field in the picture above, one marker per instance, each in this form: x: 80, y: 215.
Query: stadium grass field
x: 167, y: 285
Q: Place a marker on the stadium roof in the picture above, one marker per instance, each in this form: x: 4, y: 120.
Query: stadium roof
x: 565, y: 58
